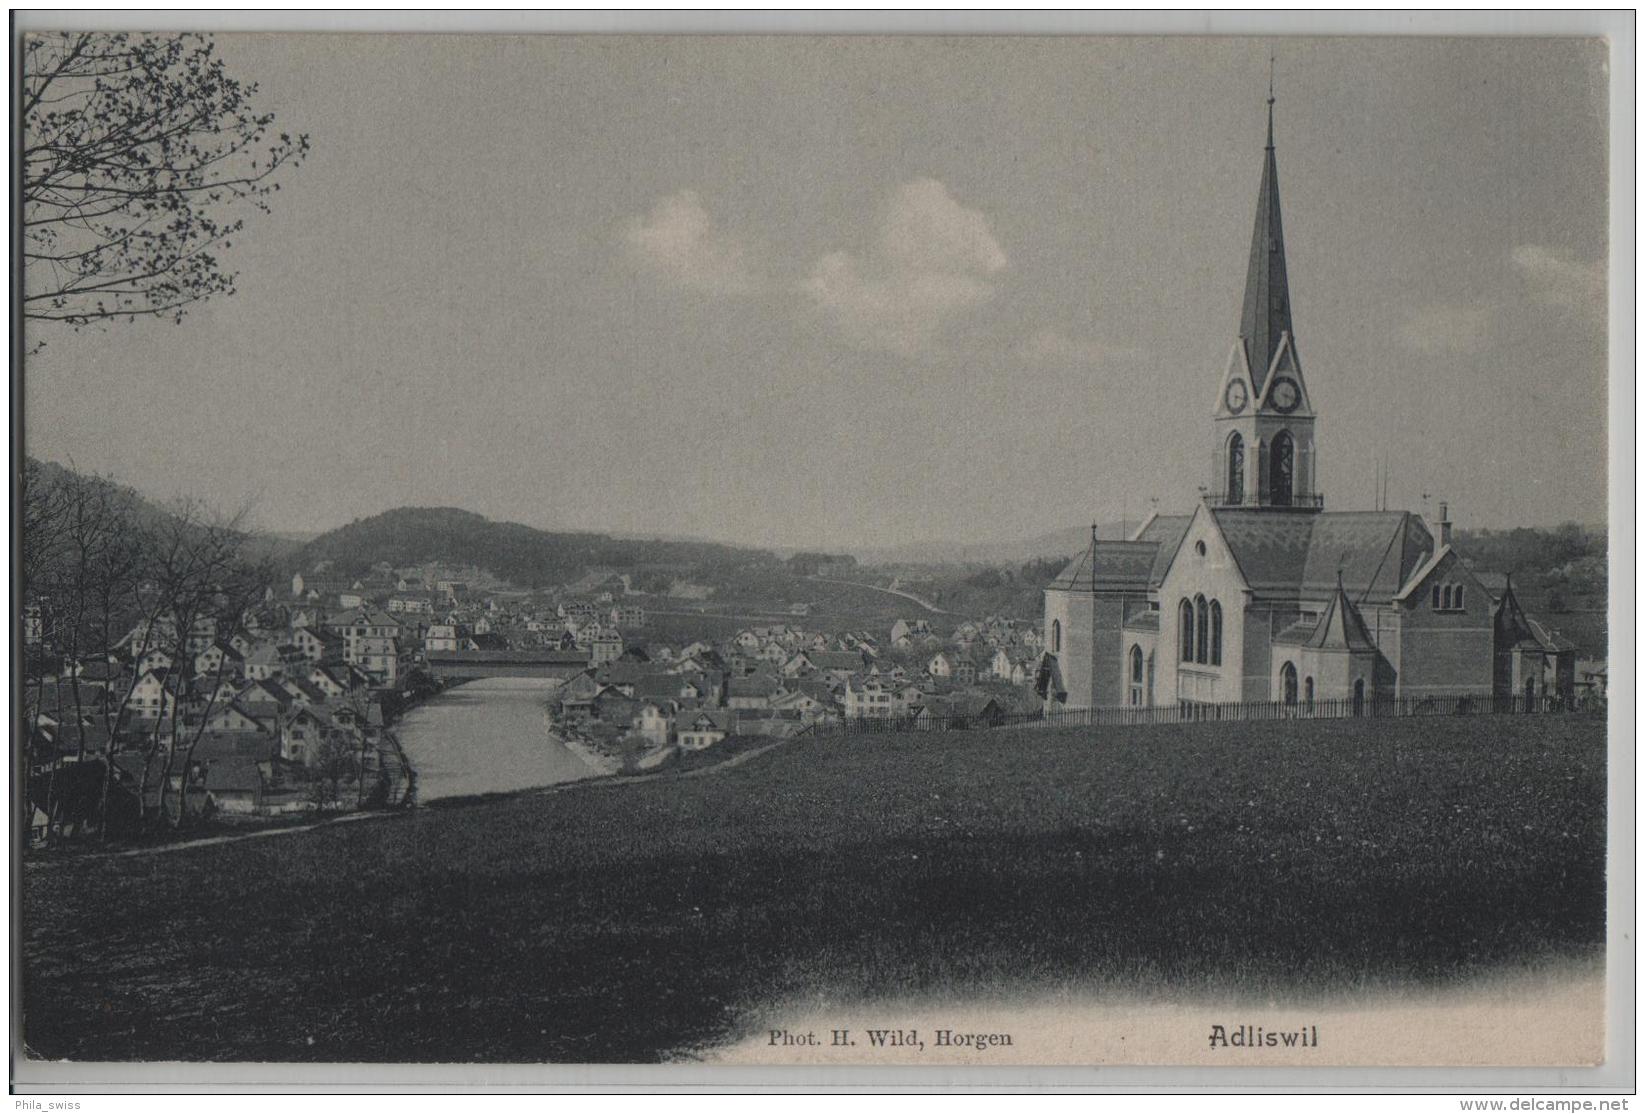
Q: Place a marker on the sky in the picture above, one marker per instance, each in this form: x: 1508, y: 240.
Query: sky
x: 839, y: 293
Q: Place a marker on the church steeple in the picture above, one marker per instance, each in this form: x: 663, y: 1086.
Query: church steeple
x: 1264, y: 455
x: 1266, y: 316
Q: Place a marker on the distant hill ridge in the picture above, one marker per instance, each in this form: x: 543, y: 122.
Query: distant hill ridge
x: 522, y: 555
x: 1058, y: 543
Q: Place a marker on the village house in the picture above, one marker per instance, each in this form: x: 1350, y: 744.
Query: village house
x: 410, y: 603
x: 316, y: 644
x: 838, y: 664
x: 952, y: 666
x: 235, y: 717
x: 605, y: 645
x: 655, y: 722
x: 807, y: 706
x: 875, y: 698
x: 218, y: 659
x: 750, y: 692
x: 961, y: 710
x: 150, y: 698
x: 702, y: 729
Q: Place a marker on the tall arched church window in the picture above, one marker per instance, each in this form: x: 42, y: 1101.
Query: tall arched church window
x: 1202, y: 631
x: 1281, y: 468
x: 1056, y: 636
x: 1288, y: 683
x: 1456, y: 600
x: 1236, y: 469
x: 1185, y: 629
x: 1446, y: 596
x: 1436, y: 597
x: 1136, y: 665
x: 1216, y: 632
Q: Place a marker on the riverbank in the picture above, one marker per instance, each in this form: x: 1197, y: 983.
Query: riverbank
x: 597, y: 759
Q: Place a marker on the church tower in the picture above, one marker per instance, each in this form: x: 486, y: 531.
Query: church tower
x: 1264, y: 455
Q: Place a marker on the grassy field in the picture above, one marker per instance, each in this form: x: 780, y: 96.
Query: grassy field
x: 627, y: 922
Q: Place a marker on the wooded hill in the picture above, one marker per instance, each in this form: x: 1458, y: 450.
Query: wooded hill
x: 522, y: 555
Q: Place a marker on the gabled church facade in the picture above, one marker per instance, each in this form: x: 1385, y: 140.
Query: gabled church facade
x: 1260, y: 593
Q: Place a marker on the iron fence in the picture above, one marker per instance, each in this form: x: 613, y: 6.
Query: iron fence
x: 1188, y: 712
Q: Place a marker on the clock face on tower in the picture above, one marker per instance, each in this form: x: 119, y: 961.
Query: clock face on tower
x: 1285, y: 395
x: 1235, y: 397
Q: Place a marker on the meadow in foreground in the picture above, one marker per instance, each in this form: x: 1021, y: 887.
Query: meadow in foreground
x: 625, y: 922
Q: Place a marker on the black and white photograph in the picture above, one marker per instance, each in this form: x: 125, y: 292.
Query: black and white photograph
x: 922, y: 550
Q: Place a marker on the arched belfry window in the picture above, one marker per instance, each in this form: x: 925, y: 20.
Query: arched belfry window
x: 1236, y: 469
x: 1216, y: 632
x: 1056, y: 636
x: 1202, y: 631
x: 1185, y: 624
x: 1281, y: 469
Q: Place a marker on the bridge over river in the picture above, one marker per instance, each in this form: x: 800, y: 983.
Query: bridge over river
x: 468, y: 665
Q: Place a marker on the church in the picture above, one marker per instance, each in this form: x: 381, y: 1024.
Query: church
x: 1260, y: 594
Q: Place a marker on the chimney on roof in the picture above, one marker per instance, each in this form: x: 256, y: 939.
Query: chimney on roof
x: 1442, y: 527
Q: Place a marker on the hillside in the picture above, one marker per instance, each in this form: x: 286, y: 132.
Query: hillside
x: 522, y: 555
x: 147, y: 511
x: 615, y: 923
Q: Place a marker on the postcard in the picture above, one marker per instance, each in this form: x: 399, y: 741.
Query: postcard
x: 964, y: 550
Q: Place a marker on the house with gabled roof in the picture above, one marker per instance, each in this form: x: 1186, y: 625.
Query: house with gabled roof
x: 703, y: 728
x: 219, y: 659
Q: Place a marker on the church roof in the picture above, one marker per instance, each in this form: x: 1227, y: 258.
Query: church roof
x: 1374, y: 551
x: 1341, y: 627
x: 1167, y: 531
x: 1109, y: 565
x: 1516, y: 629
x: 1266, y: 314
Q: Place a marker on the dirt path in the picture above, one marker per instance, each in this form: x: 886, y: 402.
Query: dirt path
x: 212, y: 841
x: 542, y: 791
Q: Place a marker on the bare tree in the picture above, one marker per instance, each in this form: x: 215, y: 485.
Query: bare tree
x: 237, y: 587
x: 334, y: 762
x: 135, y: 149
x: 199, y: 578
x: 87, y: 572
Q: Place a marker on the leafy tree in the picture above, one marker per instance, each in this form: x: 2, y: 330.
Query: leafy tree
x: 136, y: 148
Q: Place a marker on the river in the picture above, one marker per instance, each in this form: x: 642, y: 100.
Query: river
x: 486, y: 736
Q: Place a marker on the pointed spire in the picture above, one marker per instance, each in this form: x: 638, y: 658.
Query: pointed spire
x: 1341, y: 627
x: 1266, y: 314
x: 1270, y: 145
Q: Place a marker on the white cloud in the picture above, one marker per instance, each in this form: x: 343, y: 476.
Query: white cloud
x: 1448, y: 330
x: 1557, y: 279
x: 1052, y: 346
x: 930, y: 260
x: 678, y: 241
